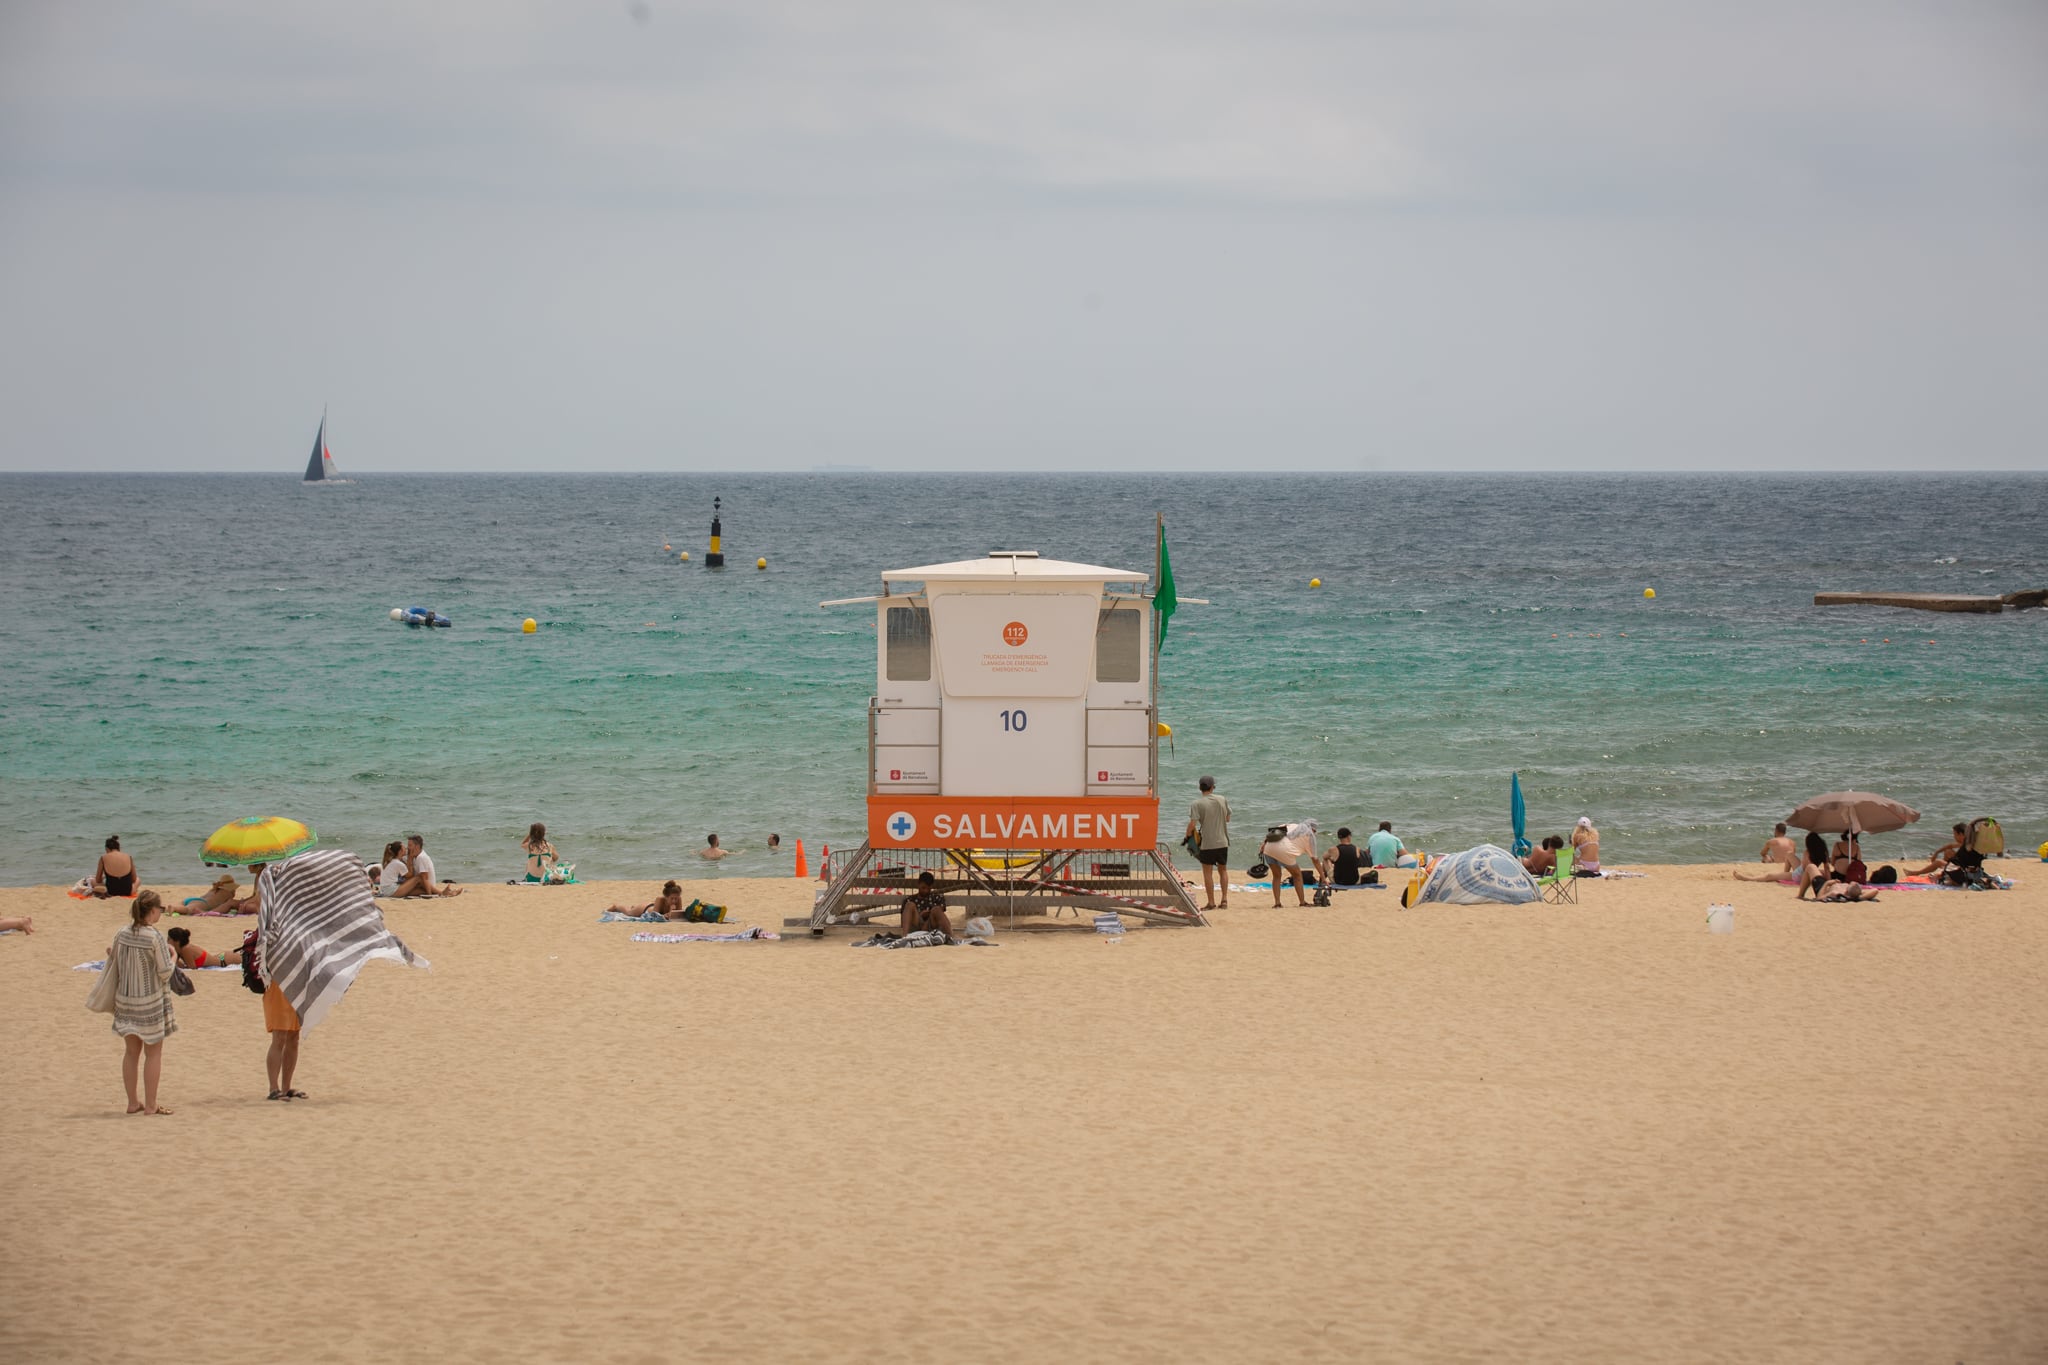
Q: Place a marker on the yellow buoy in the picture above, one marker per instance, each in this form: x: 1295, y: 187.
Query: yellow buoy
x: 529, y: 625
x: 685, y: 556
x: 1649, y: 592
x: 1315, y: 582
x: 760, y: 563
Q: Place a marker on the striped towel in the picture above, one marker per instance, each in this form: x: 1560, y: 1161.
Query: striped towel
x: 319, y: 925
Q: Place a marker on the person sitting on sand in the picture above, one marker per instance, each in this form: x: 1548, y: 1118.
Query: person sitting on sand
x: 1845, y: 859
x: 669, y: 906
x: 1342, y: 863
x: 217, y: 897
x: 1813, y: 870
x: 540, y: 854
x: 1779, y: 849
x: 392, y: 870
x: 114, y: 874
x: 189, y: 956
x: 420, y: 882
x: 1585, y: 848
x: 1944, y: 853
x: 20, y: 924
x: 1386, y: 849
x: 253, y: 902
x: 713, y: 851
x: 1542, y: 860
x: 927, y: 909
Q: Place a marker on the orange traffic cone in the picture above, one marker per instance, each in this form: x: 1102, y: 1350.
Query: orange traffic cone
x: 823, y: 860
x: 803, y: 869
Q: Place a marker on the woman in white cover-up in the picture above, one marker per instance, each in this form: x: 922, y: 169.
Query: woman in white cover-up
x: 142, y: 962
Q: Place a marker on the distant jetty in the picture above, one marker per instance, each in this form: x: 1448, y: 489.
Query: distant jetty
x: 1934, y: 601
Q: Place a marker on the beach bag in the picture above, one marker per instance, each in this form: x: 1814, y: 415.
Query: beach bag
x: 1857, y: 872
x: 1193, y: 844
x: 1256, y: 871
x: 1987, y: 838
x: 181, y: 984
x: 1885, y: 876
x: 1321, y: 897
x: 251, y: 978
x: 100, y: 999
x: 558, y: 874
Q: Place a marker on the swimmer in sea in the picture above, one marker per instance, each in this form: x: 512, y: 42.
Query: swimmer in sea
x: 713, y: 850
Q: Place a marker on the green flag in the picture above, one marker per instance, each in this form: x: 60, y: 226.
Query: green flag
x: 1164, y: 599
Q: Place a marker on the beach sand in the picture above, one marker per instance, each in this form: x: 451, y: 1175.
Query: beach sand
x: 1529, y: 1133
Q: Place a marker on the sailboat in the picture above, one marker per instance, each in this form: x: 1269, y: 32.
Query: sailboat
x: 320, y: 468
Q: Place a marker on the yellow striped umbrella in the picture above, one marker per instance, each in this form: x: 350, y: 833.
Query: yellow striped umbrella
x: 257, y: 839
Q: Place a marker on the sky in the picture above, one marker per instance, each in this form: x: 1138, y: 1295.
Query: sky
x: 1435, y: 235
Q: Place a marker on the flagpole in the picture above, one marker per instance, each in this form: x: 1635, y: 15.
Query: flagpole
x: 1158, y: 555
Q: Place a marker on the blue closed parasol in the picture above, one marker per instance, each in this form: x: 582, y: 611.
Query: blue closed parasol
x: 1520, y: 813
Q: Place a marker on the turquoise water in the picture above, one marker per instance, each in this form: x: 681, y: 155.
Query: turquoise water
x: 181, y: 650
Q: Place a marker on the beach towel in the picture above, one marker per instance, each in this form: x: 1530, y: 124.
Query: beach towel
x: 1486, y: 875
x: 923, y: 938
x: 744, y: 936
x: 646, y: 917
x: 319, y: 925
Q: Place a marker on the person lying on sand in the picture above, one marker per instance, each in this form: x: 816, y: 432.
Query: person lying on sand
x: 24, y: 923
x: 670, y: 906
x: 189, y: 956
x: 1814, y: 869
x: 1837, y: 890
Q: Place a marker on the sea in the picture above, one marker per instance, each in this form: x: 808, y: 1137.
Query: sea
x: 182, y: 650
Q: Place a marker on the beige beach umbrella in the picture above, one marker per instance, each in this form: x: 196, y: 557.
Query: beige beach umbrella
x: 1852, y: 813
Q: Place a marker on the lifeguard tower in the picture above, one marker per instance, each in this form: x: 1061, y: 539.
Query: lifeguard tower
x: 1012, y: 746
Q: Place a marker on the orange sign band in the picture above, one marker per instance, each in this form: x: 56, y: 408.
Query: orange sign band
x: 1120, y: 823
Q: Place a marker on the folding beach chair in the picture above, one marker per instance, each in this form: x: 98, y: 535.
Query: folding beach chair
x: 1560, y: 887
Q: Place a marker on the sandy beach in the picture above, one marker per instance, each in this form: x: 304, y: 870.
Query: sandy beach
x: 1536, y: 1133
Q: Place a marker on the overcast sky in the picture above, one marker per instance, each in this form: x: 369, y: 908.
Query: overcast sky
x: 1421, y: 234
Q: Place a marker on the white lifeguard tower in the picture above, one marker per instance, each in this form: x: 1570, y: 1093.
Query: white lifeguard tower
x: 1012, y: 745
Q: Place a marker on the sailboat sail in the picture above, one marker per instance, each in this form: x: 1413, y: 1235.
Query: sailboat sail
x: 320, y: 467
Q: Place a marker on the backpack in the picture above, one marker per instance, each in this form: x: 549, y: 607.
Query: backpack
x: 251, y: 977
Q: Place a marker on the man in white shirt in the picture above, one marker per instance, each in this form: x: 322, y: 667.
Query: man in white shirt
x: 421, y: 882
